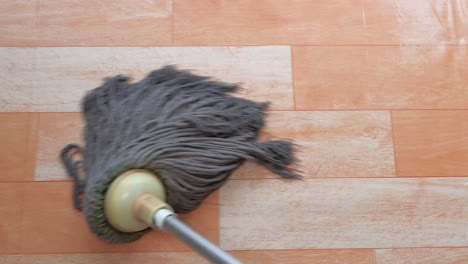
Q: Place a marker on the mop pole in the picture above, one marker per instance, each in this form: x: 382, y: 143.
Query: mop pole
x: 166, y: 220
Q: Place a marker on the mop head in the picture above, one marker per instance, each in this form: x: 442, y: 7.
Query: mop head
x: 184, y: 128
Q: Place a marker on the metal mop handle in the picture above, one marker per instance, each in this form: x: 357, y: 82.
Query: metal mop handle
x: 166, y: 220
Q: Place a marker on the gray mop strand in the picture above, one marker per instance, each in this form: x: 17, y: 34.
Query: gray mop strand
x: 186, y: 129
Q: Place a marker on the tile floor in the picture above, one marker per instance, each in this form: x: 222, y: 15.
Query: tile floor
x: 374, y: 92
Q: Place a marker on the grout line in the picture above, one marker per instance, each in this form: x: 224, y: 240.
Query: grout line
x: 352, y: 248
x: 279, y: 110
x: 36, y: 150
x: 369, y: 109
x: 351, y: 177
x: 381, y: 45
x: 218, y: 220
x: 375, y: 256
x: 232, y: 250
x: 293, y: 78
x: 238, y: 45
x: 392, y: 130
x: 94, y: 253
x: 37, y: 181
x: 21, y: 228
x: 275, y: 178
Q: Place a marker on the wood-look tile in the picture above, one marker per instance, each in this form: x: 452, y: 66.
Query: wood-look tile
x: 17, y: 23
x: 105, y: 258
x: 266, y: 22
x: 51, y: 225
x: 332, y: 144
x: 18, y: 140
x: 86, y: 23
x: 55, y: 79
x: 56, y: 130
x: 344, y: 213
x: 416, y: 22
x: 17, y: 72
x: 431, y: 143
x: 348, y: 22
x: 381, y: 77
x: 351, y: 256
x: 422, y: 256
x: 11, y: 208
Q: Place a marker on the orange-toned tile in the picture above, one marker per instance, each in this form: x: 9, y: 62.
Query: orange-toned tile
x: 86, y: 23
x: 57, y: 78
x: 106, y: 258
x: 56, y: 130
x: 431, y: 143
x: 267, y: 22
x: 333, y: 143
x: 403, y: 22
x: 354, y: 256
x: 206, y: 218
x: 422, y: 256
x: 344, y: 213
x: 244, y: 22
x: 11, y: 208
x: 51, y: 225
x: 18, y: 138
x: 381, y: 77
x: 17, y: 23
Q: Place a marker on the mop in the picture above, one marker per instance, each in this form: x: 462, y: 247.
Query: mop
x: 160, y: 146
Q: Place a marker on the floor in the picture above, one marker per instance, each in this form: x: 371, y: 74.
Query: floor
x: 374, y: 91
